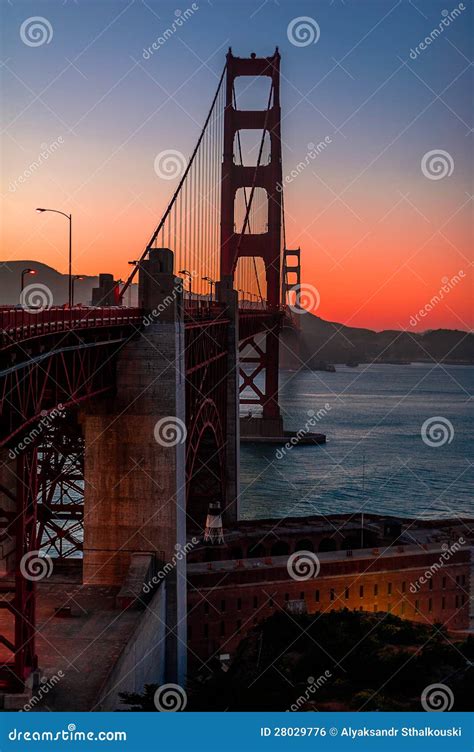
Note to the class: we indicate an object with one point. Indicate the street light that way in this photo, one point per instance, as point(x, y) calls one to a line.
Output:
point(188, 274)
point(212, 283)
point(26, 271)
point(76, 276)
point(69, 217)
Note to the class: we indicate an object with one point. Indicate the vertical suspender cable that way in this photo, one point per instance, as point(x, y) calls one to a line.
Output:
point(177, 191)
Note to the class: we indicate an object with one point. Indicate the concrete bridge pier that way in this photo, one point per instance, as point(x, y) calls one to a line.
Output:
point(134, 499)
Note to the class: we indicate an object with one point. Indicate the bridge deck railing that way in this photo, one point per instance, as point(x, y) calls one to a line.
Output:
point(18, 324)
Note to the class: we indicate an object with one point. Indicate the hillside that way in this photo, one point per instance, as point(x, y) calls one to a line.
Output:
point(10, 280)
point(327, 341)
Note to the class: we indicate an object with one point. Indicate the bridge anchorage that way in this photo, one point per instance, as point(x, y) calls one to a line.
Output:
point(120, 427)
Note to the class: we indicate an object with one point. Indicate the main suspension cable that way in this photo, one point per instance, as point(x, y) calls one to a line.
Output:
point(176, 193)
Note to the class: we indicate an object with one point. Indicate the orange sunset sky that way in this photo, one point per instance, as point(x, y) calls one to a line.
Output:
point(378, 236)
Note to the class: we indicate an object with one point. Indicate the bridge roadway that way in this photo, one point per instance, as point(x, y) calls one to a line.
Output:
point(61, 356)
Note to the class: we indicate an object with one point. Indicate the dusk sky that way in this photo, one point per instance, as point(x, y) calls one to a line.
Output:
point(378, 233)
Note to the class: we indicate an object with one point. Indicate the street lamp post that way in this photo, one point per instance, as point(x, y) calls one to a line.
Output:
point(212, 283)
point(26, 271)
point(69, 217)
point(188, 274)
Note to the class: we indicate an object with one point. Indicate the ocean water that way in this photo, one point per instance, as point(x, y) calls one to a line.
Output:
point(375, 458)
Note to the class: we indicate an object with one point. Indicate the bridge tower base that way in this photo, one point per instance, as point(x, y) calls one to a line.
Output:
point(135, 491)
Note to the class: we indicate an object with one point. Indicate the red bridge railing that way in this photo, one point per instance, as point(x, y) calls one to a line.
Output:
point(17, 324)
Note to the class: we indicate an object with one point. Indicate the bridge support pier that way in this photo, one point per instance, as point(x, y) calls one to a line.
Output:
point(134, 500)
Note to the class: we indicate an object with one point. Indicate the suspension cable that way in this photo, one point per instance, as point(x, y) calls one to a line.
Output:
point(177, 191)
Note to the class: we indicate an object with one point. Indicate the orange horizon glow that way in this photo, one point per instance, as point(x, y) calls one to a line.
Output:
point(378, 237)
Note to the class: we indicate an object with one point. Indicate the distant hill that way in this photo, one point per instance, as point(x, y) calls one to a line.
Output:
point(316, 342)
point(320, 341)
point(10, 280)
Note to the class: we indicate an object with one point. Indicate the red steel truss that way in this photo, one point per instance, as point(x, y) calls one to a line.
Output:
point(17, 646)
point(206, 404)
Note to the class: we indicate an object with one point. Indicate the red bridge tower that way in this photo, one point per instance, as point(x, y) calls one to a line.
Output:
point(265, 245)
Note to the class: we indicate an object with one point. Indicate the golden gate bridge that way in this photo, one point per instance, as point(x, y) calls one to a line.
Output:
point(82, 388)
